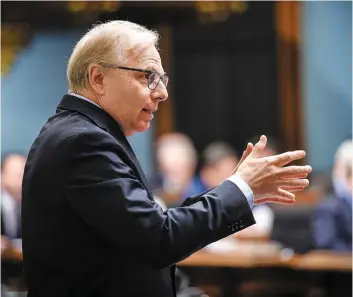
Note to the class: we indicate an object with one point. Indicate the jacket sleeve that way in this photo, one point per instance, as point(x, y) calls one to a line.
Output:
point(106, 194)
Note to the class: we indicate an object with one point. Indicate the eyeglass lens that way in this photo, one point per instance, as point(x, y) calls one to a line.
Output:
point(154, 79)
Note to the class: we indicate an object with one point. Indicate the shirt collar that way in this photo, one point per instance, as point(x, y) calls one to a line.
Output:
point(85, 98)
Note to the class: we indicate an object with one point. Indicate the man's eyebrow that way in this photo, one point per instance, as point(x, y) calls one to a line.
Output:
point(149, 58)
point(146, 60)
point(151, 68)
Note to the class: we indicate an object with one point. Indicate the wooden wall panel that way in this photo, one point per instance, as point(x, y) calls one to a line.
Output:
point(287, 22)
point(164, 117)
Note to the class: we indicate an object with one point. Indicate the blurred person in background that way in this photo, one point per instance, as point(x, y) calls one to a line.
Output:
point(90, 225)
point(332, 222)
point(12, 169)
point(175, 179)
point(218, 162)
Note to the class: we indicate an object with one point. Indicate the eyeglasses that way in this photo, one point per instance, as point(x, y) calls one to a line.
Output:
point(153, 77)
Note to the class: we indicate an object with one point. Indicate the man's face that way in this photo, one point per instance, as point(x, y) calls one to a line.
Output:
point(12, 175)
point(127, 97)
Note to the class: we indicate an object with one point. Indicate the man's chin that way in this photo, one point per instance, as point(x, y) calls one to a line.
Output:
point(143, 127)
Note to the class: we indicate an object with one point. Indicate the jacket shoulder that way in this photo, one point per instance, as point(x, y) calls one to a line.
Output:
point(68, 125)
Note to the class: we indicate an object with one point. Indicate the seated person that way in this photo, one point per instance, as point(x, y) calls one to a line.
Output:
point(332, 221)
point(11, 189)
point(12, 169)
point(218, 162)
point(176, 161)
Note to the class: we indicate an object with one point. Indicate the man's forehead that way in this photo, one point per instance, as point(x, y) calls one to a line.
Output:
point(146, 56)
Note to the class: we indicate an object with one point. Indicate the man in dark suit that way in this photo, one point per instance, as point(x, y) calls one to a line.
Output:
point(90, 223)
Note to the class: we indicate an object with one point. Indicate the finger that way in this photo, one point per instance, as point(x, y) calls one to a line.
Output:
point(285, 194)
point(293, 170)
point(285, 158)
point(292, 183)
point(259, 146)
point(294, 176)
point(282, 196)
point(293, 189)
point(275, 199)
point(245, 154)
point(249, 147)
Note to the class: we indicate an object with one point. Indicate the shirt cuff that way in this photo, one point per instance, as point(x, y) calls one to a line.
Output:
point(244, 187)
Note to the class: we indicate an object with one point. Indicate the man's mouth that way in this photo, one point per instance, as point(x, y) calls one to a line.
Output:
point(151, 111)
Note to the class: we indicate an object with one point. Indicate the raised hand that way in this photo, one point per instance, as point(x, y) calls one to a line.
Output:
point(266, 176)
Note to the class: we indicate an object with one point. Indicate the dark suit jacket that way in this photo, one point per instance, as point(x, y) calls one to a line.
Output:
point(333, 224)
point(89, 222)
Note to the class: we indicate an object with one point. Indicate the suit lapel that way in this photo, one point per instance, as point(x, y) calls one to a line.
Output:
point(130, 152)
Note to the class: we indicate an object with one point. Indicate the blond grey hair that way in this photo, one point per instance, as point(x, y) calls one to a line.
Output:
point(107, 43)
point(177, 143)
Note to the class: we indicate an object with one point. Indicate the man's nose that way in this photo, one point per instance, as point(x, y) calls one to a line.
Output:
point(160, 93)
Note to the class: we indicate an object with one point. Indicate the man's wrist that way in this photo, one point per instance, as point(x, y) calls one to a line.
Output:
point(244, 187)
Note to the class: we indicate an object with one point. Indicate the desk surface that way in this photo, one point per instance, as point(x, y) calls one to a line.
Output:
point(315, 260)
point(12, 254)
point(255, 255)
point(323, 260)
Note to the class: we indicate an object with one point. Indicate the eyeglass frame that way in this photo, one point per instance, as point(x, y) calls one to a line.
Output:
point(149, 72)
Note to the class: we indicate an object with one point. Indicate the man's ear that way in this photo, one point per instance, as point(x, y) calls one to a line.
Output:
point(95, 77)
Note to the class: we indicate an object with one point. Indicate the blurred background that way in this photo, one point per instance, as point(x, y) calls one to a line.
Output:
point(238, 70)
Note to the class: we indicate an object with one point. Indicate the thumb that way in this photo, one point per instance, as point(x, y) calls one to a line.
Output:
point(245, 154)
point(259, 147)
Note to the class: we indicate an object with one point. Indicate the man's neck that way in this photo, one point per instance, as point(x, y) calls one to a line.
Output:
point(86, 98)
